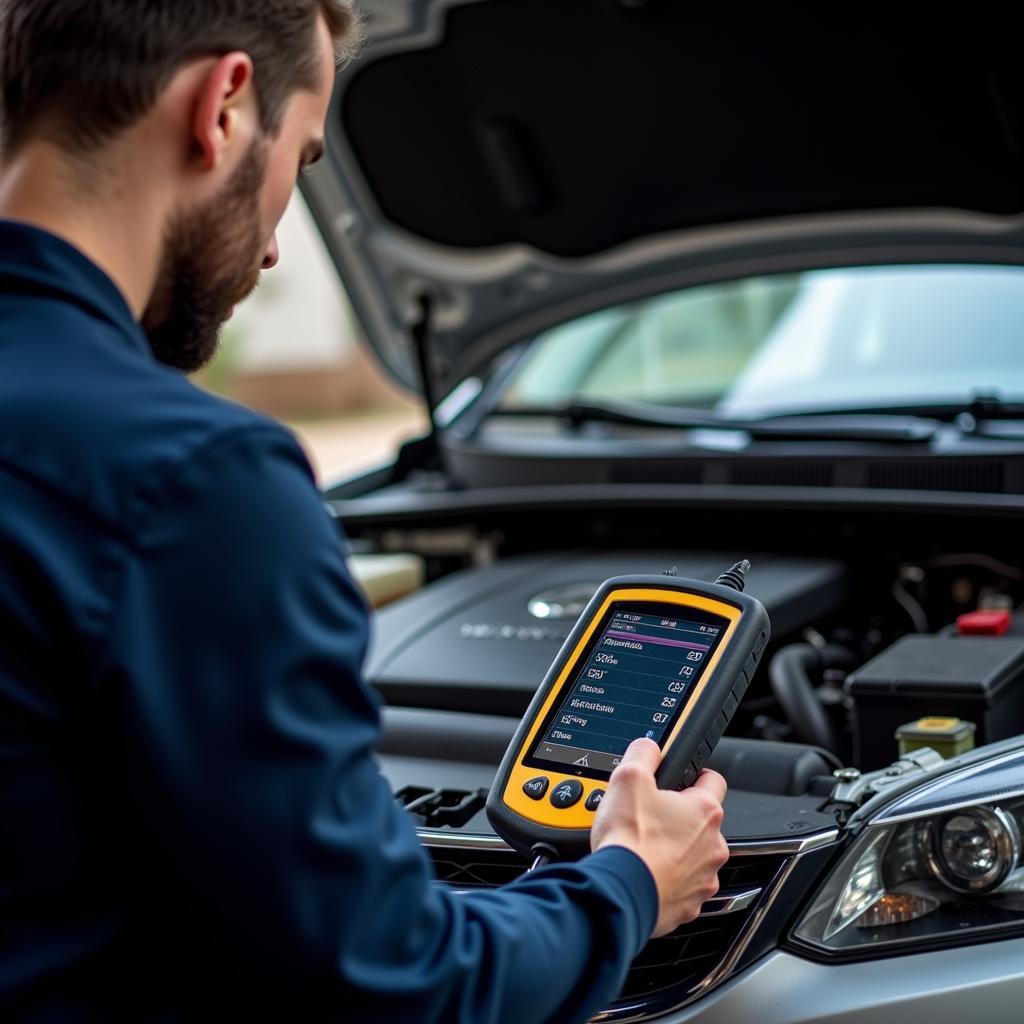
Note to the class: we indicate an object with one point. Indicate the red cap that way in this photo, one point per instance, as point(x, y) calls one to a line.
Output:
point(983, 623)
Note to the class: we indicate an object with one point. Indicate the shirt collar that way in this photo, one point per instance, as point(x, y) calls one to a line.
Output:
point(35, 258)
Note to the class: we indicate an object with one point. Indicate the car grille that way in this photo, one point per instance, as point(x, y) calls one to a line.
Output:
point(476, 869)
point(683, 959)
point(668, 969)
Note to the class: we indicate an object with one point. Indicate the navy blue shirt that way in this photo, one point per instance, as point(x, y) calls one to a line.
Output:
point(193, 822)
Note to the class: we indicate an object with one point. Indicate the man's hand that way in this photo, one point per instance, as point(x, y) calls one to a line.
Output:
point(677, 835)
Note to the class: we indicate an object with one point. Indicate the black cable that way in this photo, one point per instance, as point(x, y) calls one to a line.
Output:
point(735, 578)
point(542, 854)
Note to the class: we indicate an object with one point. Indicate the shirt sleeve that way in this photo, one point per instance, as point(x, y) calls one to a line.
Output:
point(234, 670)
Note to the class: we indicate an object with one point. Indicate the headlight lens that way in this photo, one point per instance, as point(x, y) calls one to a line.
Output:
point(973, 850)
point(948, 876)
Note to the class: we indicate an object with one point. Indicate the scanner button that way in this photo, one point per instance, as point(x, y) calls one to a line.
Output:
point(567, 793)
point(594, 800)
point(536, 788)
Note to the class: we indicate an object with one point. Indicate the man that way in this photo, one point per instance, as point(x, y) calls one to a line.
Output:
point(193, 822)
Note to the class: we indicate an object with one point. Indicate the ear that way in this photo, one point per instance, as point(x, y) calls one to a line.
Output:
point(225, 93)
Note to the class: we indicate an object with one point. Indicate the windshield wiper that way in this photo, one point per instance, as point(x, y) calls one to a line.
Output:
point(983, 410)
point(983, 415)
point(832, 427)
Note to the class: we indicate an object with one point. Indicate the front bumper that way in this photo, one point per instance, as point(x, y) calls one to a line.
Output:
point(982, 984)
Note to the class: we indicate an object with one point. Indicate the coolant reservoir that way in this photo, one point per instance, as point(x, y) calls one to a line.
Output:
point(947, 736)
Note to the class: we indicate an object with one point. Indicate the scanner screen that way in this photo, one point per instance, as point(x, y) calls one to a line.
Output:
point(635, 678)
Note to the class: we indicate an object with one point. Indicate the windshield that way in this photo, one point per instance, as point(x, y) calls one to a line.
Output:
point(908, 336)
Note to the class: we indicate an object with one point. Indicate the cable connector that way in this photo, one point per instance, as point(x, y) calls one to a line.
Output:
point(542, 854)
point(735, 578)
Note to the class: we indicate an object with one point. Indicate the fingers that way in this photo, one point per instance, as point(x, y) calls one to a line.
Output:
point(642, 753)
point(712, 782)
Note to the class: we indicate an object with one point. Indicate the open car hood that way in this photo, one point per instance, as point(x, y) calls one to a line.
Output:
point(521, 162)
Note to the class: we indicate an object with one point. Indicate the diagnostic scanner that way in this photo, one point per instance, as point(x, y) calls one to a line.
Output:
point(657, 656)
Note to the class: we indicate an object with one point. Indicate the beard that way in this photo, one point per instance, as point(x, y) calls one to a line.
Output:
point(211, 261)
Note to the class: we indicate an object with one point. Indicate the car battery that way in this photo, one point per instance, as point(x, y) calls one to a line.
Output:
point(977, 678)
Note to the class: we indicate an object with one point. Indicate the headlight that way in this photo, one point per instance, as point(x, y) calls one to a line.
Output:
point(927, 874)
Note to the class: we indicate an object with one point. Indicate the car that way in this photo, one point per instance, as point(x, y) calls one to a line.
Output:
point(682, 284)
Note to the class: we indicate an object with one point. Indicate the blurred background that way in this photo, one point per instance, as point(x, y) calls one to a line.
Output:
point(294, 351)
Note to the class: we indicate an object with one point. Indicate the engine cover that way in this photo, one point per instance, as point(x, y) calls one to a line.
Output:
point(482, 639)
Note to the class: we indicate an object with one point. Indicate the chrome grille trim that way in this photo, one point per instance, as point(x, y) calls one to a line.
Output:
point(738, 848)
point(729, 902)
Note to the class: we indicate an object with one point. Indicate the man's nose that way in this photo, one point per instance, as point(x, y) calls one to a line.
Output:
point(272, 255)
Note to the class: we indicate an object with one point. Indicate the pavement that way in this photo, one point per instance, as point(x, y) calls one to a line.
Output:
point(344, 447)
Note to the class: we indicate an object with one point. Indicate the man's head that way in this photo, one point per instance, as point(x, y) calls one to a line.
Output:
point(224, 102)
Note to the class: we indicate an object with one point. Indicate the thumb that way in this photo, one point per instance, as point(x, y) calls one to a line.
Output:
point(713, 783)
point(642, 753)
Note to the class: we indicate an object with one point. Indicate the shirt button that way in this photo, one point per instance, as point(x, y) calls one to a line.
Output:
point(536, 788)
point(594, 800)
point(567, 793)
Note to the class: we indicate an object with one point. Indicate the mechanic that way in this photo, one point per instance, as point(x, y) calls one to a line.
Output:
point(194, 824)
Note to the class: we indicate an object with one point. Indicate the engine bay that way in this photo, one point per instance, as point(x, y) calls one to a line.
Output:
point(879, 621)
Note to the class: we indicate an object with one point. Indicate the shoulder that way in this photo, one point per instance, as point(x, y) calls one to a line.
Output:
point(182, 435)
point(102, 425)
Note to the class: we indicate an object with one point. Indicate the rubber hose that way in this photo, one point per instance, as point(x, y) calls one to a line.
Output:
point(791, 672)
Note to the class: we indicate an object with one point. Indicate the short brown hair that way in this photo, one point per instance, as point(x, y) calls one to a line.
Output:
point(83, 70)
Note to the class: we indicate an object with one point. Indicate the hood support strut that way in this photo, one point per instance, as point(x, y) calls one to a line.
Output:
point(420, 333)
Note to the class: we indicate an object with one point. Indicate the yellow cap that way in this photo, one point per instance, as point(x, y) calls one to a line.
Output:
point(936, 724)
